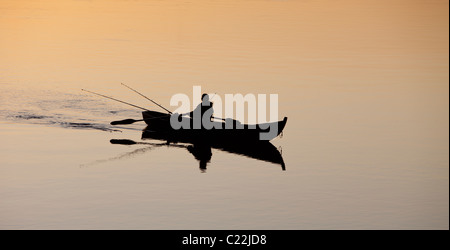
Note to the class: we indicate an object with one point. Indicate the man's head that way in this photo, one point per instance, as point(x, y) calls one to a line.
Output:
point(205, 98)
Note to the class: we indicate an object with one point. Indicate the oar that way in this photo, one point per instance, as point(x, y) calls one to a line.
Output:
point(131, 121)
point(223, 119)
point(125, 122)
point(131, 142)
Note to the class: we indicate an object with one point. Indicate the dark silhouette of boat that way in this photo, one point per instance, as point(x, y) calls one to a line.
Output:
point(226, 129)
point(220, 131)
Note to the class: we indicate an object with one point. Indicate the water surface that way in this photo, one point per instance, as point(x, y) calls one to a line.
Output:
point(364, 84)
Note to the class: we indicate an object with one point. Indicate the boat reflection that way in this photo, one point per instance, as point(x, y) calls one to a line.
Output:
point(201, 147)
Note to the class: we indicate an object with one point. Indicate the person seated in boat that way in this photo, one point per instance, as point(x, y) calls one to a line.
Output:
point(202, 114)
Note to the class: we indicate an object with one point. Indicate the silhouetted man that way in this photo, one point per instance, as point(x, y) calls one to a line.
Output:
point(202, 114)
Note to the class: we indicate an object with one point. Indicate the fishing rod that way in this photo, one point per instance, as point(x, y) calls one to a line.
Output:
point(114, 99)
point(146, 98)
point(131, 121)
point(156, 104)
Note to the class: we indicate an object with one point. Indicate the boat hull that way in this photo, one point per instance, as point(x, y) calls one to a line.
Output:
point(160, 122)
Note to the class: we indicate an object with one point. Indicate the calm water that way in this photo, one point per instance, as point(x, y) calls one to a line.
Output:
point(364, 84)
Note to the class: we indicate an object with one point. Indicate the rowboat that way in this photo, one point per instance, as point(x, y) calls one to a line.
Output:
point(158, 121)
point(229, 130)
